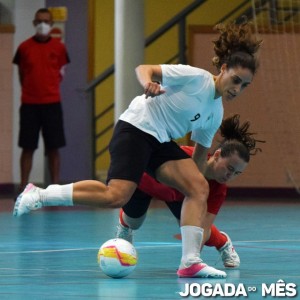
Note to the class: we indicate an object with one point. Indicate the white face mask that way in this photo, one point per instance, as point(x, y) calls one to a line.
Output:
point(43, 28)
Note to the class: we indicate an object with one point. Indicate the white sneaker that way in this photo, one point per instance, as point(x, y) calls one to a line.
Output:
point(200, 270)
point(228, 254)
point(28, 200)
point(124, 233)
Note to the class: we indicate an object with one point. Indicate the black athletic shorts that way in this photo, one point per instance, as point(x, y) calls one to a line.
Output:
point(139, 203)
point(47, 118)
point(133, 151)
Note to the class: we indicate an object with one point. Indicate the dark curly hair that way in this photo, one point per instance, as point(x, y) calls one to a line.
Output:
point(237, 138)
point(236, 46)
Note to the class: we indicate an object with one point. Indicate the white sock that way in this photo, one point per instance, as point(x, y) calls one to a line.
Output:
point(191, 244)
point(57, 195)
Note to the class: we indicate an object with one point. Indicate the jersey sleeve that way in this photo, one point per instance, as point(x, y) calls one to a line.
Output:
point(16, 58)
point(205, 136)
point(64, 56)
point(179, 74)
point(18, 55)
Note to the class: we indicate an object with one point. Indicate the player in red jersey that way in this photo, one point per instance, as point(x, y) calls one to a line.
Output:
point(227, 162)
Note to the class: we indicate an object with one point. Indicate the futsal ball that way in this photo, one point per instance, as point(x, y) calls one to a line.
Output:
point(117, 258)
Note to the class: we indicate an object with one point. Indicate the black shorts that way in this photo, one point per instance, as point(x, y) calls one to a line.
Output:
point(133, 151)
point(45, 117)
point(140, 201)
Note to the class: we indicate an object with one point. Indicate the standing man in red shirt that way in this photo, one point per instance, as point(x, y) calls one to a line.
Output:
point(41, 60)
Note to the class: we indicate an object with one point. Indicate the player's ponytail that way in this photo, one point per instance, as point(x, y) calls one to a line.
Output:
point(237, 138)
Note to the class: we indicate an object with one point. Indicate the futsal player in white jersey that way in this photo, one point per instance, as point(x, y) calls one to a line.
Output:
point(227, 161)
point(177, 99)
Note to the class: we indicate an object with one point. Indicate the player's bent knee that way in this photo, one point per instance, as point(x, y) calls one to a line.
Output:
point(200, 190)
point(118, 201)
point(205, 188)
point(120, 192)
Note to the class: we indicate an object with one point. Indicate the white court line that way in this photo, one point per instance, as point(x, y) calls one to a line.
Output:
point(158, 245)
point(267, 241)
point(47, 251)
point(48, 270)
point(140, 245)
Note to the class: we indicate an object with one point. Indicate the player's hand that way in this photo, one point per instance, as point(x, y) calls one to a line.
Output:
point(153, 89)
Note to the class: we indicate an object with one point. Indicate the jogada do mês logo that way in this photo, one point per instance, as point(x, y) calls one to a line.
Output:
point(278, 289)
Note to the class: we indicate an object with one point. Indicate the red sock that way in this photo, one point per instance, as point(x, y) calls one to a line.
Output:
point(121, 218)
point(216, 239)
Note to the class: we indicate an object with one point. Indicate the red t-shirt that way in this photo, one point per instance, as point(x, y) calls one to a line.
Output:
point(217, 191)
point(40, 66)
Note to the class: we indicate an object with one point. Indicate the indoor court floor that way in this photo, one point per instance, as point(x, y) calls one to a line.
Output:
point(52, 254)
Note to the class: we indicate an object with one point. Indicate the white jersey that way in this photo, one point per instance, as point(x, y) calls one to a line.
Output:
point(188, 105)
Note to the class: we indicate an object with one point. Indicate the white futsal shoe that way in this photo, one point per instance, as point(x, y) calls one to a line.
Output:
point(200, 270)
point(124, 233)
point(228, 254)
point(28, 200)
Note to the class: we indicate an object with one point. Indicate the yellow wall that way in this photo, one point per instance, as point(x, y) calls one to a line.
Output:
point(167, 46)
point(103, 57)
point(157, 13)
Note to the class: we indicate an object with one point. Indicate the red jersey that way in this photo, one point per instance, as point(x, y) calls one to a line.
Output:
point(217, 191)
point(40, 65)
